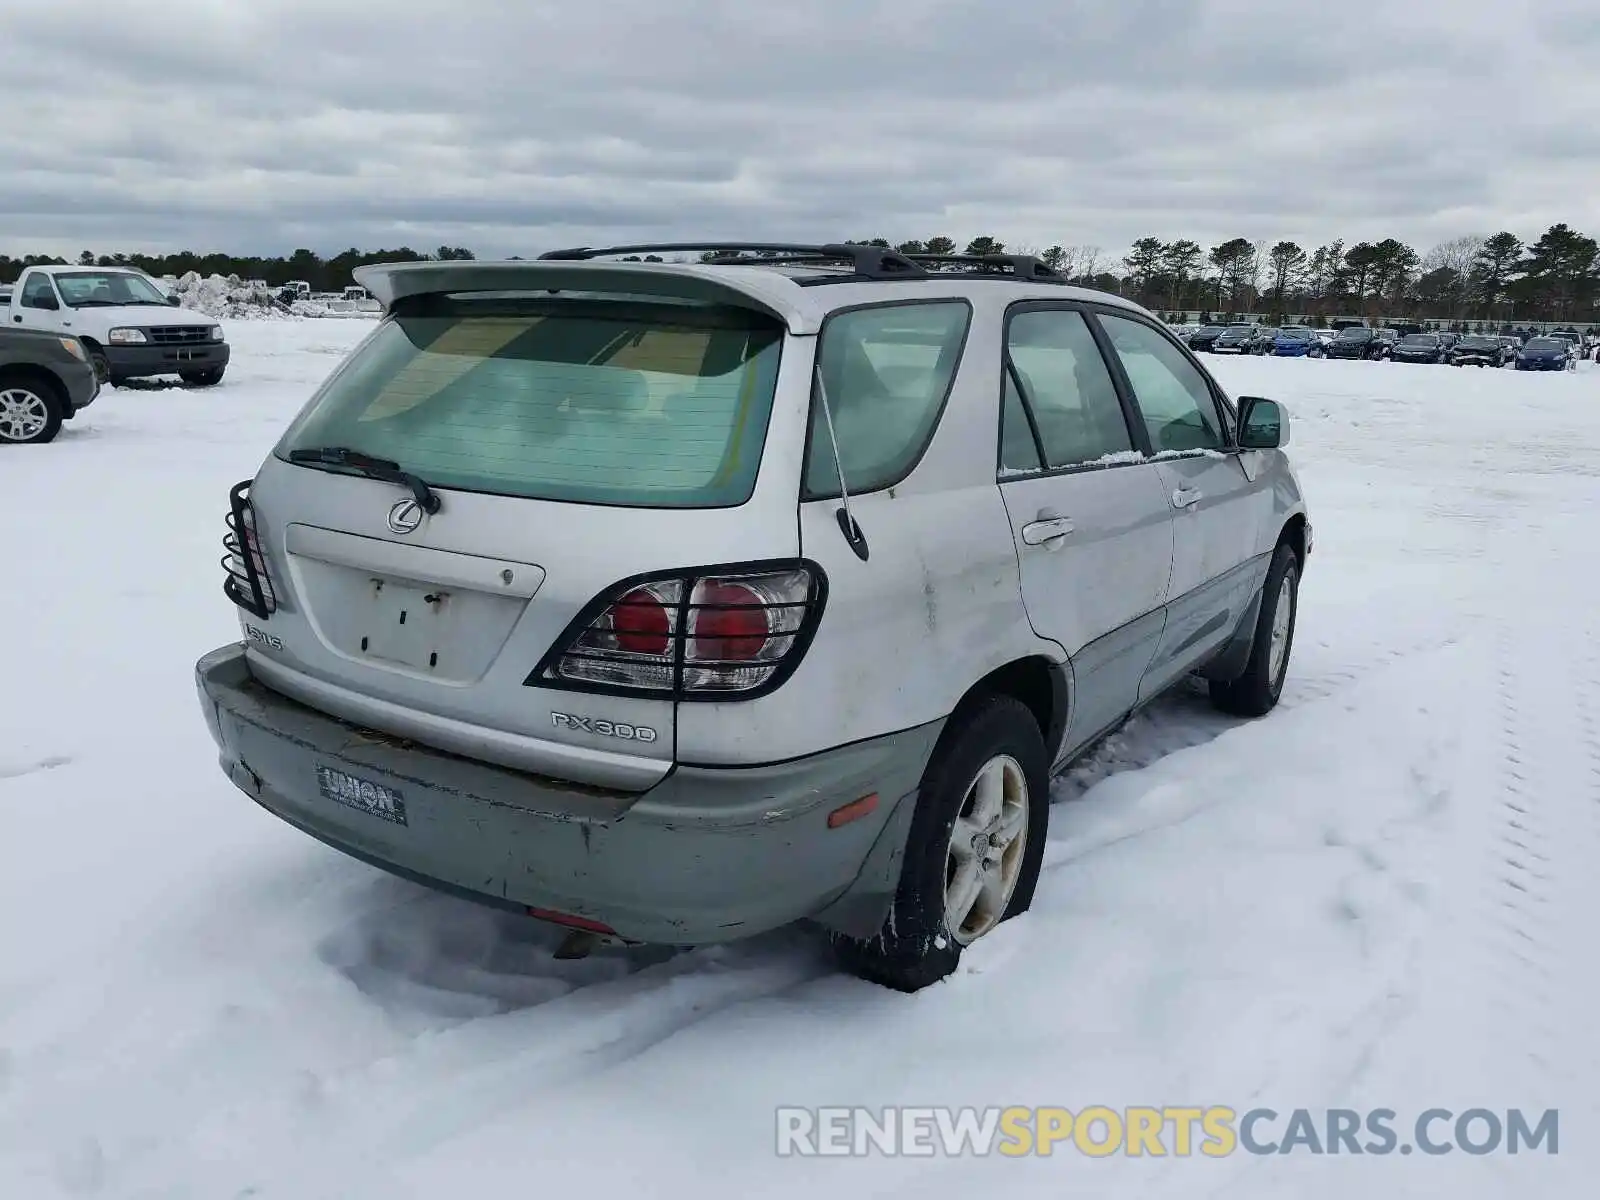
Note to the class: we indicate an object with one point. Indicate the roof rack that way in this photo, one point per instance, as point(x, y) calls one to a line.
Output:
point(862, 261)
point(868, 262)
point(1025, 266)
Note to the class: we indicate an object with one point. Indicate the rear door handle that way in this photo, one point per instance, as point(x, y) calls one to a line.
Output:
point(1184, 497)
point(1049, 529)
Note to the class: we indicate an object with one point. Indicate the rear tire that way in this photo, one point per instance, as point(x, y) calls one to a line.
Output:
point(1256, 692)
point(973, 853)
point(31, 410)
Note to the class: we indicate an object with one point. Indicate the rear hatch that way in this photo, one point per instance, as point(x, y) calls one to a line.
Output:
point(575, 446)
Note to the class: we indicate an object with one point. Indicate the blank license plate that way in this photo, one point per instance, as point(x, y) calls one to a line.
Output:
point(406, 625)
point(363, 795)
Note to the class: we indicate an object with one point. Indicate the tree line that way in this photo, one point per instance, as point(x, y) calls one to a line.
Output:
point(1480, 278)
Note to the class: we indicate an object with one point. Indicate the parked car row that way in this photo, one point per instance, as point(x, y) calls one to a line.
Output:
point(1554, 352)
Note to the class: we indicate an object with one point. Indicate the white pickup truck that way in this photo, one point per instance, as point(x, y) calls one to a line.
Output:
point(129, 326)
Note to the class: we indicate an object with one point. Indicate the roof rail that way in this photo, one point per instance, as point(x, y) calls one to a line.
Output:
point(870, 262)
point(1024, 266)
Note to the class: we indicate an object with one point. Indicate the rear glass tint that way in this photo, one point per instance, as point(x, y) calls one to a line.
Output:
point(886, 370)
point(635, 404)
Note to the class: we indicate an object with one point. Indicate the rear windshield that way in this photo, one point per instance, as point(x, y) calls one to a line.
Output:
point(645, 405)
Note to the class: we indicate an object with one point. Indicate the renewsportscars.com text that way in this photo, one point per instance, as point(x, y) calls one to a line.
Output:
point(1160, 1132)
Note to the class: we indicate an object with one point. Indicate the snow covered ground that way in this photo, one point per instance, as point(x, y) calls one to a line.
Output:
point(1382, 896)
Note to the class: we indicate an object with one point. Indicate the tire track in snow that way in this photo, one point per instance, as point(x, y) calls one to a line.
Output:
point(460, 1079)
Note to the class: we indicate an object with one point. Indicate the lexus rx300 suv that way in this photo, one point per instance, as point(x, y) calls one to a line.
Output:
point(675, 602)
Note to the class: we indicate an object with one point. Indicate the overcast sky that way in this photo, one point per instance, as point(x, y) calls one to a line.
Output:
point(511, 126)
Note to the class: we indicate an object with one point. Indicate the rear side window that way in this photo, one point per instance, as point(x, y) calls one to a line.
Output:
point(1067, 389)
point(886, 371)
point(602, 402)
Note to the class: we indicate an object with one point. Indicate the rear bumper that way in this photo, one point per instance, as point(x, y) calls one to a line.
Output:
point(707, 855)
point(137, 362)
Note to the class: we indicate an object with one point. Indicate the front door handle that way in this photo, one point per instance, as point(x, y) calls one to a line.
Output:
point(1184, 497)
point(1046, 530)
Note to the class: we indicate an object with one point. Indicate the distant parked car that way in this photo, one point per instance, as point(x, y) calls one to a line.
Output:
point(1262, 339)
point(1478, 350)
point(1448, 340)
point(1202, 339)
point(1546, 354)
point(1357, 341)
point(1574, 343)
point(45, 379)
point(1419, 348)
point(1296, 343)
point(1235, 339)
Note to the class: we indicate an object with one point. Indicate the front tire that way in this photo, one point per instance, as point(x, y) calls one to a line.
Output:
point(1256, 692)
point(973, 853)
point(31, 411)
point(101, 365)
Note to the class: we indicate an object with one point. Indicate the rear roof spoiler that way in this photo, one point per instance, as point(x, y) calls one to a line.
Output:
point(764, 291)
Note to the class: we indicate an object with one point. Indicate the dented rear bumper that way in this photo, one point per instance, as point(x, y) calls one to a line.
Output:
point(706, 855)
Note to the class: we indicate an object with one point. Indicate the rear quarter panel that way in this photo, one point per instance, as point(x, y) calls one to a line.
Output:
point(935, 607)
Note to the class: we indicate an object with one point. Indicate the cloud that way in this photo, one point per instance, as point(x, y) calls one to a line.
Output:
point(513, 127)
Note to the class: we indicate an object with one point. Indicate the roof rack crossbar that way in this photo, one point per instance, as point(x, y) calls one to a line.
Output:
point(1025, 266)
point(873, 262)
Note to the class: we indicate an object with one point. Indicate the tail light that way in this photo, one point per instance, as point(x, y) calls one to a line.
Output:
point(247, 584)
point(714, 634)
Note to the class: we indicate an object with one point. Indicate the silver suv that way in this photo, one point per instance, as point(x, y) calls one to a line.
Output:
point(674, 602)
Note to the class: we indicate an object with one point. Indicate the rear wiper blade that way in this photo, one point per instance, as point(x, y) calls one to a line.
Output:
point(374, 468)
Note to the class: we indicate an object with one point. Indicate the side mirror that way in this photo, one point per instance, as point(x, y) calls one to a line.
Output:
point(48, 303)
point(1263, 425)
point(174, 301)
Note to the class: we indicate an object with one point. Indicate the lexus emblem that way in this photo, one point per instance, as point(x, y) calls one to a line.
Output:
point(405, 516)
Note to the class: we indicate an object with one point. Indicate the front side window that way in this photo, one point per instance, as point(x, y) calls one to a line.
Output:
point(1178, 410)
point(886, 371)
point(648, 405)
point(90, 289)
point(1057, 374)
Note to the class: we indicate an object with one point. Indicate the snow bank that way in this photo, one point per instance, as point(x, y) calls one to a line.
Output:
point(227, 297)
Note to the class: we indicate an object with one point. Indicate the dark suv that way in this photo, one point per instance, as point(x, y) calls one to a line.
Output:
point(1262, 339)
point(1235, 339)
point(1480, 350)
point(1358, 342)
point(1419, 348)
